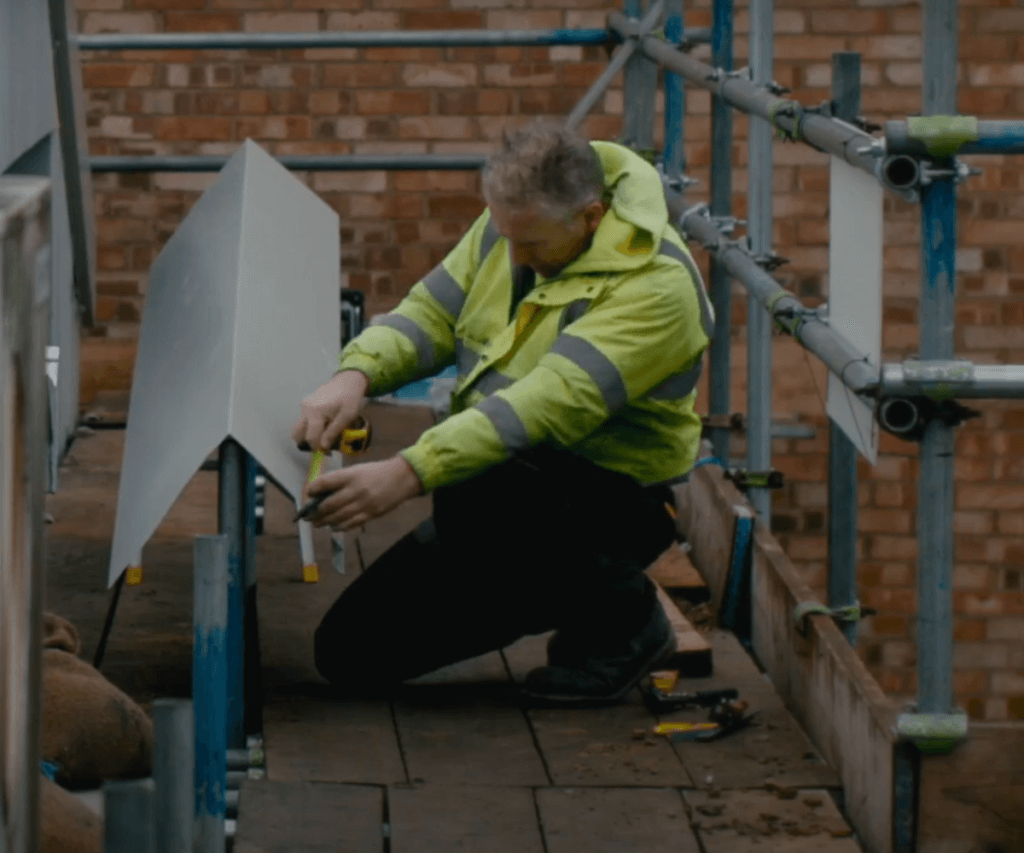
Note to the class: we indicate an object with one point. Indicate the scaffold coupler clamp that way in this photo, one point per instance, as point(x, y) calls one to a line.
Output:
point(847, 613)
point(744, 480)
point(679, 183)
point(933, 734)
point(722, 77)
point(727, 224)
point(959, 172)
point(769, 261)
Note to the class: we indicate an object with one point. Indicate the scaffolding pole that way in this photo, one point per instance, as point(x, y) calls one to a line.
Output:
point(640, 83)
point(945, 135)
point(789, 313)
point(350, 39)
point(842, 453)
point(297, 162)
point(673, 158)
point(759, 235)
point(942, 379)
point(938, 291)
point(721, 207)
point(789, 117)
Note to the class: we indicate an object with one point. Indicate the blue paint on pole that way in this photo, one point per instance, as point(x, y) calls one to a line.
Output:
point(736, 601)
point(996, 137)
point(209, 672)
point(577, 37)
point(721, 34)
point(938, 212)
point(674, 157)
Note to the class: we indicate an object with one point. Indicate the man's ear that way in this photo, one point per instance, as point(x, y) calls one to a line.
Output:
point(593, 213)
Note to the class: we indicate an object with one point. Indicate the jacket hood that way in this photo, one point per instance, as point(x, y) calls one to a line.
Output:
point(631, 231)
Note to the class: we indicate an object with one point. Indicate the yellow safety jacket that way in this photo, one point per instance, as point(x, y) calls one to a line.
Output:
point(602, 359)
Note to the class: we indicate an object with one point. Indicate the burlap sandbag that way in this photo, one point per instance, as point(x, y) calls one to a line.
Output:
point(68, 824)
point(58, 633)
point(91, 730)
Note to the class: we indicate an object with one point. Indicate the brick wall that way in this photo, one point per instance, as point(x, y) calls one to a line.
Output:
point(395, 226)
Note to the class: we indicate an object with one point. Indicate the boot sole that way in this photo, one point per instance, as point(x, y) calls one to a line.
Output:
point(576, 701)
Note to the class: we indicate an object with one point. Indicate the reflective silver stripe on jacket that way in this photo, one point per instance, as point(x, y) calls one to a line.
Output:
point(573, 311)
point(491, 381)
point(707, 313)
point(487, 241)
point(510, 428)
point(597, 366)
point(465, 358)
point(678, 385)
point(445, 289)
point(426, 357)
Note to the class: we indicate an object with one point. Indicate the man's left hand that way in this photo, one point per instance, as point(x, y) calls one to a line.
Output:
point(359, 493)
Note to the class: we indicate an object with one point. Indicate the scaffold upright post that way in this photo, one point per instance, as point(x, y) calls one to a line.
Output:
point(251, 665)
point(938, 291)
point(721, 206)
point(759, 215)
point(232, 516)
point(209, 700)
point(842, 454)
point(673, 159)
point(174, 775)
point(640, 84)
point(128, 816)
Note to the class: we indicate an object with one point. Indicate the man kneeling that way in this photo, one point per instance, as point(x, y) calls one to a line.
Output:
point(578, 322)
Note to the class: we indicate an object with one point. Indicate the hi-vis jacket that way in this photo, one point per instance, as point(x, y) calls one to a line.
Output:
point(602, 359)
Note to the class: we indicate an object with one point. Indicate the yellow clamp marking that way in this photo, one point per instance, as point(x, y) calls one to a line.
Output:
point(133, 577)
point(943, 136)
point(311, 573)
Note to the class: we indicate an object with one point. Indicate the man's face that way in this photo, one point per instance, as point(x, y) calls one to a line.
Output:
point(545, 241)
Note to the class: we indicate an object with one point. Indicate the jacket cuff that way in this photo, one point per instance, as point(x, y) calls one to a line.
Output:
point(364, 364)
point(421, 458)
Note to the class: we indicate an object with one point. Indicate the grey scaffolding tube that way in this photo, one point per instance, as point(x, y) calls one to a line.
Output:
point(363, 39)
point(789, 117)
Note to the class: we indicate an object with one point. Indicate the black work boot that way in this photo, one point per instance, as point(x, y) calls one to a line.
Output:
point(600, 677)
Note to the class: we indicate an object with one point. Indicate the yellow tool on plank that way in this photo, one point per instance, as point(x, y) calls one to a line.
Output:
point(684, 731)
point(354, 439)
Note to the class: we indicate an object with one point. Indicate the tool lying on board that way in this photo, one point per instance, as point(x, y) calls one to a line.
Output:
point(660, 702)
point(727, 714)
point(354, 439)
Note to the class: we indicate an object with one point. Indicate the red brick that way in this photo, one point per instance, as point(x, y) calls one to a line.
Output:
point(116, 76)
point(846, 21)
point(446, 74)
point(392, 103)
point(202, 22)
point(455, 207)
point(193, 128)
point(418, 19)
point(175, 5)
point(970, 681)
point(436, 127)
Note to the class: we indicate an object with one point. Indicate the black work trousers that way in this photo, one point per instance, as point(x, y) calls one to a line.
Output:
point(544, 541)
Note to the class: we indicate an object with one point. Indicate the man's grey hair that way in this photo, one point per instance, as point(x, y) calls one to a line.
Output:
point(543, 164)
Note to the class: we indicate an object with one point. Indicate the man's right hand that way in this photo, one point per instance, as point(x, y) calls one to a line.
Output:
point(331, 408)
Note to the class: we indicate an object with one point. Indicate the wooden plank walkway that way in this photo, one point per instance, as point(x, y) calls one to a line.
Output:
point(452, 761)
